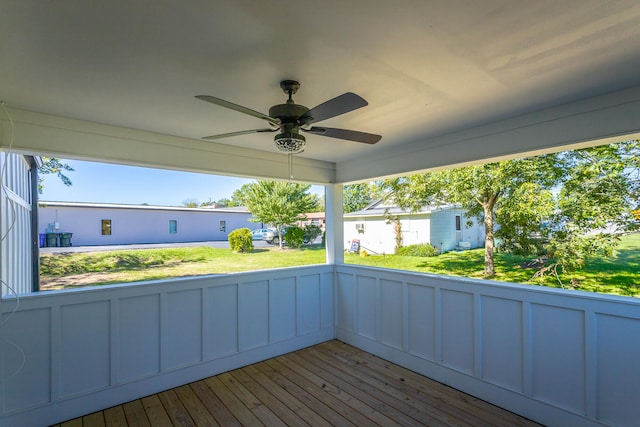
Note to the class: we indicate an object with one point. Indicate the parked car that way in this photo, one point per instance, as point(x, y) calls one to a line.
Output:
point(259, 233)
point(271, 236)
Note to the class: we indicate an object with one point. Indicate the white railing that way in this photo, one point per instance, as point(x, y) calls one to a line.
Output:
point(68, 353)
point(559, 357)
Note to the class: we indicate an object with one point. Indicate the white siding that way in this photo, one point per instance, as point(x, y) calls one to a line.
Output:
point(139, 225)
point(15, 218)
point(437, 228)
point(443, 230)
point(379, 237)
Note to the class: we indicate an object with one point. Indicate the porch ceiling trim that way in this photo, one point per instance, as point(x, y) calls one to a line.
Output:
point(36, 133)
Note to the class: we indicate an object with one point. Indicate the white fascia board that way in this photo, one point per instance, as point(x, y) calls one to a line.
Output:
point(604, 119)
point(42, 134)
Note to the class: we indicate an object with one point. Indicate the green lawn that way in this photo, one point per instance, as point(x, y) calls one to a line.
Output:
point(618, 275)
point(59, 271)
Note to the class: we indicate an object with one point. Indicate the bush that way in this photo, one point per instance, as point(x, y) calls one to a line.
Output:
point(311, 232)
point(422, 250)
point(294, 236)
point(240, 240)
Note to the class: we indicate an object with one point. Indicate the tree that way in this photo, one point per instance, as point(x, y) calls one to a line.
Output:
point(576, 200)
point(277, 203)
point(595, 205)
point(237, 197)
point(491, 192)
point(359, 196)
point(190, 203)
point(51, 165)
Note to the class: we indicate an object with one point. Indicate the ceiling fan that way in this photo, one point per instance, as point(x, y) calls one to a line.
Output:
point(290, 118)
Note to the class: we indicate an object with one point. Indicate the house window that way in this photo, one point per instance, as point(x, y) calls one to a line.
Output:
point(458, 223)
point(106, 227)
point(173, 226)
point(223, 226)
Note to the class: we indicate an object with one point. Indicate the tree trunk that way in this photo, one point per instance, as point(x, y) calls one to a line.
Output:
point(489, 269)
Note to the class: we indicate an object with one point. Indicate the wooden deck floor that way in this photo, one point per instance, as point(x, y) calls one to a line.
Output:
point(330, 384)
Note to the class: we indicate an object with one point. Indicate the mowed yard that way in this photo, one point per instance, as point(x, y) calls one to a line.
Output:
point(617, 275)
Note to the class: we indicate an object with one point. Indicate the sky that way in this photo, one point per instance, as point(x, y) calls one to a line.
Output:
point(107, 183)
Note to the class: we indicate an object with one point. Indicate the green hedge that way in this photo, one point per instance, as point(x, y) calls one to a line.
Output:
point(422, 250)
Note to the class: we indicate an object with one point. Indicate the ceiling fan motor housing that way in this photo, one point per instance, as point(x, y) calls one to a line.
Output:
point(287, 113)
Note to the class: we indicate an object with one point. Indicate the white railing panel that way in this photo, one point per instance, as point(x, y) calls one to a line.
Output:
point(618, 370)
point(421, 321)
point(558, 357)
point(25, 354)
point(184, 328)
point(391, 325)
point(85, 344)
point(222, 321)
point(282, 309)
point(456, 336)
point(308, 303)
point(138, 337)
point(502, 343)
point(563, 358)
point(254, 314)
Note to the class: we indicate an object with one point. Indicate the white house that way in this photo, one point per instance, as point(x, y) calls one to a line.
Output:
point(447, 84)
point(443, 227)
point(18, 199)
point(111, 224)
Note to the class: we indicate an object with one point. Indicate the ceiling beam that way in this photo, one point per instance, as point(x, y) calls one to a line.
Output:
point(46, 135)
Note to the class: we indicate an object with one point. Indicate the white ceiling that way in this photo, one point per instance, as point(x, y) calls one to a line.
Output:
point(427, 68)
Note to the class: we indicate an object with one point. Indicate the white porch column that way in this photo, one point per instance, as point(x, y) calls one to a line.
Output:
point(334, 226)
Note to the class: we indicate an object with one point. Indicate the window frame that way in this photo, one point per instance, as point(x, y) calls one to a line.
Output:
point(106, 227)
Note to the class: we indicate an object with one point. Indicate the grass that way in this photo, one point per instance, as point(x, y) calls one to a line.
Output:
point(67, 270)
point(617, 275)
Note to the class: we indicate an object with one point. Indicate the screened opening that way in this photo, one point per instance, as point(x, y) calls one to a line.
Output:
point(138, 207)
point(566, 220)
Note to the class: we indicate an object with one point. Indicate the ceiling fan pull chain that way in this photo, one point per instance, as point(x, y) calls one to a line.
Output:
point(290, 159)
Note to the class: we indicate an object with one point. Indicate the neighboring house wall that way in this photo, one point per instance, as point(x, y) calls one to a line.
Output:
point(446, 235)
point(138, 224)
point(15, 210)
point(437, 227)
point(313, 218)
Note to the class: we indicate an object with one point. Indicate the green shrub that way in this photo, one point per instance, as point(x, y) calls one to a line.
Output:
point(422, 250)
point(240, 240)
point(311, 232)
point(294, 236)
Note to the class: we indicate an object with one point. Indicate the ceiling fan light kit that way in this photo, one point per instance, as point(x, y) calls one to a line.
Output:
point(290, 143)
point(291, 118)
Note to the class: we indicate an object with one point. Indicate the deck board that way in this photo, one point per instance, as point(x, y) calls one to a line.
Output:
point(330, 384)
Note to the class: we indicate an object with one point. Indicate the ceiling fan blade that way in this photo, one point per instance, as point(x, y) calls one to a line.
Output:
point(242, 132)
point(350, 135)
point(239, 108)
point(334, 107)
